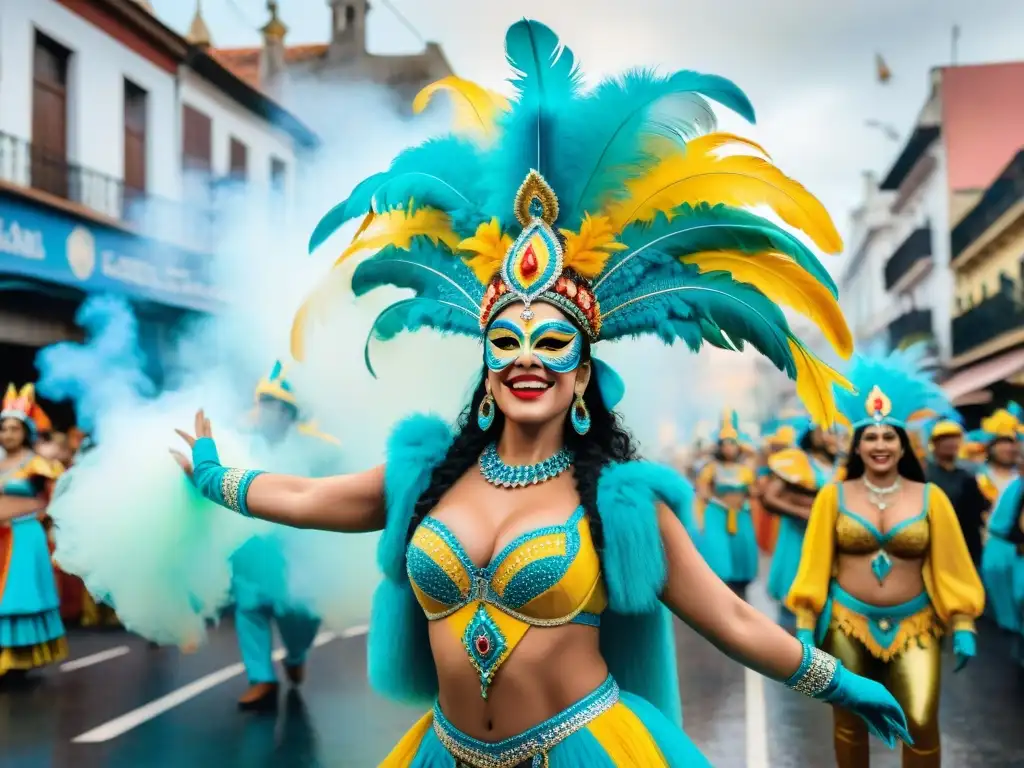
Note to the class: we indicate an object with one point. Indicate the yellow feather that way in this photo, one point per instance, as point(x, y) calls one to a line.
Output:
point(490, 245)
point(699, 176)
point(587, 252)
point(476, 108)
point(785, 282)
point(814, 380)
point(398, 228)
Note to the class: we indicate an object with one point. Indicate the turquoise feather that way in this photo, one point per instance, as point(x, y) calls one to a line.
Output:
point(450, 159)
point(740, 311)
point(431, 271)
point(901, 376)
point(416, 313)
point(710, 228)
point(613, 124)
point(547, 81)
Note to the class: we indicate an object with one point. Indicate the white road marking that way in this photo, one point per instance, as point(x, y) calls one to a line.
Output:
point(131, 720)
point(96, 658)
point(356, 631)
point(757, 720)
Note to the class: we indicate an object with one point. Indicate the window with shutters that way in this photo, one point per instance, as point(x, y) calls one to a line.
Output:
point(135, 103)
point(197, 141)
point(49, 164)
point(239, 158)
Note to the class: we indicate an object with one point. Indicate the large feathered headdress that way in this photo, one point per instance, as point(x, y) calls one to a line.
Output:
point(1003, 424)
point(21, 404)
point(620, 205)
point(891, 389)
point(276, 386)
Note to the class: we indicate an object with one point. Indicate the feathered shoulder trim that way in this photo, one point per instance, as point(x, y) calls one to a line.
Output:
point(416, 446)
point(633, 558)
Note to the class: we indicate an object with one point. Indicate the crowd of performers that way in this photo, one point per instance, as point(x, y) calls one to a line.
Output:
point(530, 562)
point(875, 537)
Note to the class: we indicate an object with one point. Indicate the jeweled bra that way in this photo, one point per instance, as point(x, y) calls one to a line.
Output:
point(547, 577)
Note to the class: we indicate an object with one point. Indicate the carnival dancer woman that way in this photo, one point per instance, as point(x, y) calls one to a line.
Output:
point(797, 475)
point(1000, 433)
point(31, 631)
point(529, 559)
point(885, 571)
point(777, 436)
point(1002, 562)
point(725, 486)
point(261, 568)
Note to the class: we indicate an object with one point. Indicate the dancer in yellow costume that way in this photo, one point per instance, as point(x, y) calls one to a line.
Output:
point(885, 571)
point(530, 560)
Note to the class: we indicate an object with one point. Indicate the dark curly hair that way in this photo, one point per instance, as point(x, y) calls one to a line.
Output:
point(908, 466)
point(606, 442)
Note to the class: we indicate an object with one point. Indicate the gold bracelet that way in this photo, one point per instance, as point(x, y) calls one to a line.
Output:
point(963, 624)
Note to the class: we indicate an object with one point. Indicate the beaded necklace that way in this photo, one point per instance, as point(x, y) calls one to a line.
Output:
point(497, 472)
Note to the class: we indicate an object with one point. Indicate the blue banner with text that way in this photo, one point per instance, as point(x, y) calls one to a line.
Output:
point(46, 244)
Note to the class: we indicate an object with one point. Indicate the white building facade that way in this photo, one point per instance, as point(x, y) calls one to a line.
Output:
point(107, 120)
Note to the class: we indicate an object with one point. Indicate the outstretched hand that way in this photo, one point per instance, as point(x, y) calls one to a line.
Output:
point(202, 429)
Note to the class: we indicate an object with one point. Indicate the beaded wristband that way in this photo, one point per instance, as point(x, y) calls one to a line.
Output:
point(234, 486)
point(815, 674)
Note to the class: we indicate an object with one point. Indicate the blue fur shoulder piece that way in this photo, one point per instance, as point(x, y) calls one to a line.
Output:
point(415, 447)
point(633, 558)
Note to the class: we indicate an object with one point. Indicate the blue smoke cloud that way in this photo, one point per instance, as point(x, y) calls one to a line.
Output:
point(106, 369)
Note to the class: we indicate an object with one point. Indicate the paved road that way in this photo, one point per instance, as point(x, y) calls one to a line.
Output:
point(738, 719)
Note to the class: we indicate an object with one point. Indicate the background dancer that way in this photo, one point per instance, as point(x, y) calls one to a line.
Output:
point(31, 630)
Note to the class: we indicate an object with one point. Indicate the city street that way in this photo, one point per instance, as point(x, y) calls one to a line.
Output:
point(119, 703)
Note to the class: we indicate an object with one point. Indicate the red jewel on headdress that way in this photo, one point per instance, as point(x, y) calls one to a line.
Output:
point(878, 404)
point(529, 265)
point(483, 645)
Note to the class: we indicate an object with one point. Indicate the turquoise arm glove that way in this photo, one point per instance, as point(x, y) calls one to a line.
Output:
point(824, 677)
point(965, 647)
point(223, 486)
point(806, 636)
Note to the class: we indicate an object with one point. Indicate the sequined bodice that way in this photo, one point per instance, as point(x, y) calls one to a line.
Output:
point(547, 577)
point(731, 478)
point(14, 481)
point(908, 539)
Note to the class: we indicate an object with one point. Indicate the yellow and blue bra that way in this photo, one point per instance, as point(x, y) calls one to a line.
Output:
point(543, 578)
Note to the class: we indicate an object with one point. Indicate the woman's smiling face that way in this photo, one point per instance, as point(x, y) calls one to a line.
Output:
point(534, 367)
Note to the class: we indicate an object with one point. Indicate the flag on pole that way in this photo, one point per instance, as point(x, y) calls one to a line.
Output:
point(882, 71)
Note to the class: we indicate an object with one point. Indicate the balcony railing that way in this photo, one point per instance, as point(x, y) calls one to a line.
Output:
point(991, 318)
point(917, 247)
point(915, 323)
point(25, 165)
point(997, 200)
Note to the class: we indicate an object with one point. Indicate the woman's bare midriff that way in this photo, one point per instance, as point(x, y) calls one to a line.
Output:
point(904, 582)
point(853, 572)
point(733, 500)
point(550, 670)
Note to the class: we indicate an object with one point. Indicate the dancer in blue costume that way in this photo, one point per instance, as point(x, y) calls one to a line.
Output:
point(1002, 562)
point(530, 561)
point(797, 476)
point(725, 486)
point(885, 571)
point(259, 582)
point(1000, 433)
point(31, 631)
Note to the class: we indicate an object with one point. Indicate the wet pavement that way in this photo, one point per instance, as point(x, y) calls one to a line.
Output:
point(140, 707)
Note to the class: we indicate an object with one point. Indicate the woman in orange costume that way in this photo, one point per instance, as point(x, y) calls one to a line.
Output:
point(31, 631)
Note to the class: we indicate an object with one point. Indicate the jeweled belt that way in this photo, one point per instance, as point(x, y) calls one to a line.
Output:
point(531, 745)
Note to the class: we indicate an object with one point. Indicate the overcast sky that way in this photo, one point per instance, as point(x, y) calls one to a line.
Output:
point(807, 65)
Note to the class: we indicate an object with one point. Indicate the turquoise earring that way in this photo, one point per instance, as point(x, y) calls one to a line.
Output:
point(580, 416)
point(485, 413)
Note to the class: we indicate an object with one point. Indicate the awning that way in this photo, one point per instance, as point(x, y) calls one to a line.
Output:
point(977, 377)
